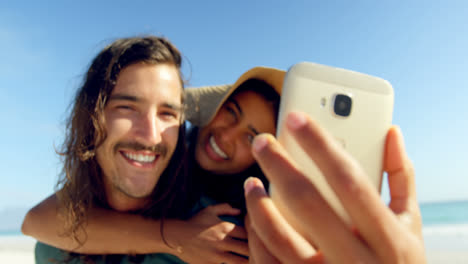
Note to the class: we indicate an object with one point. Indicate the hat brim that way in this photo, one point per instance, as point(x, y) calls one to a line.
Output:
point(204, 102)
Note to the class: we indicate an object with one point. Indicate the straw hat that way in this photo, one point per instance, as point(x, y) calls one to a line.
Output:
point(204, 102)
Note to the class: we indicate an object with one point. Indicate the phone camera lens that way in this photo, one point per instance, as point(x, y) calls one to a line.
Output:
point(342, 105)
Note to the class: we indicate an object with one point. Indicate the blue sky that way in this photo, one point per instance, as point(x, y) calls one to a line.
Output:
point(419, 46)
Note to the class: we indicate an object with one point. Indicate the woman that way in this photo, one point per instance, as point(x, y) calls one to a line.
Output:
point(224, 120)
point(223, 131)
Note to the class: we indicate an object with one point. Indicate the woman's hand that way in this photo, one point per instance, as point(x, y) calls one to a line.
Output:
point(205, 238)
point(381, 234)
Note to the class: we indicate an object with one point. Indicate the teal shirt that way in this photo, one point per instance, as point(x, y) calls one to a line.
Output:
point(45, 254)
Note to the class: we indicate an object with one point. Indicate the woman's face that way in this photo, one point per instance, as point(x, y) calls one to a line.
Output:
point(224, 145)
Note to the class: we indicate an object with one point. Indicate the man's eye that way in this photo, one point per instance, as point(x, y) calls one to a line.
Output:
point(124, 107)
point(168, 114)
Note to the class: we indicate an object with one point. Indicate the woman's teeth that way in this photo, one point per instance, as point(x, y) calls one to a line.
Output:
point(216, 148)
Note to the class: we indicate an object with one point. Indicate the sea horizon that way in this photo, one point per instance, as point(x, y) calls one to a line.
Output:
point(447, 213)
point(445, 234)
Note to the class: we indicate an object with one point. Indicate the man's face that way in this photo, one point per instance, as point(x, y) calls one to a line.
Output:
point(224, 145)
point(142, 118)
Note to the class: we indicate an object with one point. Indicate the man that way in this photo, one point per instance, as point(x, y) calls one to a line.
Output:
point(124, 127)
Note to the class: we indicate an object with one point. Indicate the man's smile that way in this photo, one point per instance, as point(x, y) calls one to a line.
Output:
point(140, 159)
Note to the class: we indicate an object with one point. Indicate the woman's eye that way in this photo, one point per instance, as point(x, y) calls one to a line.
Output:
point(231, 111)
point(250, 138)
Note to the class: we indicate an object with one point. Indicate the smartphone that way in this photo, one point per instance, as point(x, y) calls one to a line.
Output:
point(354, 107)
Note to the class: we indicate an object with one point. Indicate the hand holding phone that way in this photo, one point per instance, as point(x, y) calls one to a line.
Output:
point(380, 233)
point(355, 108)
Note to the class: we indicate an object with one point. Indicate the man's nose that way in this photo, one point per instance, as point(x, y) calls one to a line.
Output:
point(149, 129)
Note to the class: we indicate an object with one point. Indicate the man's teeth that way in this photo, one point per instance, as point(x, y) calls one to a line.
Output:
point(140, 157)
point(217, 149)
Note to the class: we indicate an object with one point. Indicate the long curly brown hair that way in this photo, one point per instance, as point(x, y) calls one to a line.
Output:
point(80, 185)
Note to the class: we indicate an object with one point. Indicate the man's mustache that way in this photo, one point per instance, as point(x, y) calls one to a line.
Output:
point(160, 148)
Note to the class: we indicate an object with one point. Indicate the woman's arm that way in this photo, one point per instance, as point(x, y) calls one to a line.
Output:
point(203, 237)
point(107, 231)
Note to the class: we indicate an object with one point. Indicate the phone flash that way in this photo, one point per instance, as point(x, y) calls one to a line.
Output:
point(323, 102)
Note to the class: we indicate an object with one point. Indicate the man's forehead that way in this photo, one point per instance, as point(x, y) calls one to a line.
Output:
point(159, 95)
point(148, 82)
point(167, 101)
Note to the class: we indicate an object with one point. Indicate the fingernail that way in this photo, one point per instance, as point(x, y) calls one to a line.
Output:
point(259, 143)
point(296, 120)
point(400, 138)
point(249, 184)
point(252, 183)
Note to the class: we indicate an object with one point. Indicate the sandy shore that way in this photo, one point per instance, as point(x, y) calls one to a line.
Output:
point(444, 244)
point(17, 249)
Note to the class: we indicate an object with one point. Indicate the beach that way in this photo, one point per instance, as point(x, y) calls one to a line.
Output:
point(445, 244)
point(16, 249)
